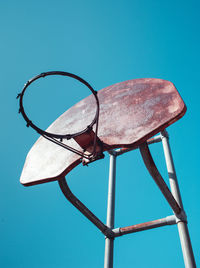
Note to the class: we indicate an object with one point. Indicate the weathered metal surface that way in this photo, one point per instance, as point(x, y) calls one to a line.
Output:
point(130, 113)
point(143, 226)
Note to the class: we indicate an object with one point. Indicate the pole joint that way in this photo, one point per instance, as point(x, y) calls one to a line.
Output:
point(164, 134)
point(109, 233)
point(181, 217)
point(113, 152)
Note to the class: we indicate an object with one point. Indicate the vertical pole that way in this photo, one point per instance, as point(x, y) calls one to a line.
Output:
point(109, 242)
point(182, 224)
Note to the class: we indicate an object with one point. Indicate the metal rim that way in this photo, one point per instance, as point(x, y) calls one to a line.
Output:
point(53, 135)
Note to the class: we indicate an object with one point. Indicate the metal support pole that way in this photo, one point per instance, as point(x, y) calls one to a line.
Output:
point(170, 220)
point(109, 242)
point(182, 224)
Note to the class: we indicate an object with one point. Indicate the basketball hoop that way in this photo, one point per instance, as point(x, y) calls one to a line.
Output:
point(58, 138)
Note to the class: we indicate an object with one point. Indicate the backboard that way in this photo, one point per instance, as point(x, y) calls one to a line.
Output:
point(130, 113)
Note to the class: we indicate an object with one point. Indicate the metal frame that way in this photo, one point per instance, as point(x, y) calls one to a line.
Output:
point(173, 197)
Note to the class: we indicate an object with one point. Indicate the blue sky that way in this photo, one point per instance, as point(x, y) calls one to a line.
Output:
point(104, 42)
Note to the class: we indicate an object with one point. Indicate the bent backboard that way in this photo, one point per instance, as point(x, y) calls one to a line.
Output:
point(130, 113)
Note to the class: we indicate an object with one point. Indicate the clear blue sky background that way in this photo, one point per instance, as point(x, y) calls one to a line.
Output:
point(104, 42)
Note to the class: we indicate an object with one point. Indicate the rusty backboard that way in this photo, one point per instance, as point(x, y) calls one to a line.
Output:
point(130, 113)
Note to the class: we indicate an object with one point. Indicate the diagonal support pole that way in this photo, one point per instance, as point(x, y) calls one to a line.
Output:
point(83, 209)
point(148, 160)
